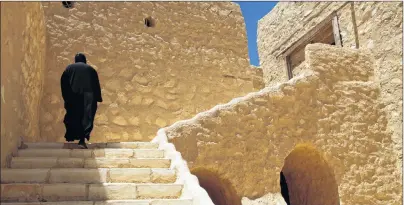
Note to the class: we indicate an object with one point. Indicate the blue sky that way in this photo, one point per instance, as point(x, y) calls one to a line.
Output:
point(252, 12)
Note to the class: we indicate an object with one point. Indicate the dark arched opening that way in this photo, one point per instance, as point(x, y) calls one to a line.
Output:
point(67, 4)
point(308, 178)
point(219, 190)
point(149, 22)
point(284, 188)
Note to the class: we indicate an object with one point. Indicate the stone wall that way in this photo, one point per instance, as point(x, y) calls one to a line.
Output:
point(195, 57)
point(372, 25)
point(22, 70)
point(335, 107)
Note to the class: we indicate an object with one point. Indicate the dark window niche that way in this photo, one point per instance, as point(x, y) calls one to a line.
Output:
point(67, 4)
point(149, 22)
point(326, 32)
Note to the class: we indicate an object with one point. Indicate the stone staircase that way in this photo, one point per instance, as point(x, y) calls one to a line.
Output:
point(129, 173)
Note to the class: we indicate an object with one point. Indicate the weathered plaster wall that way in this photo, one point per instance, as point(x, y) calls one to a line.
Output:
point(195, 57)
point(379, 29)
point(335, 107)
point(22, 66)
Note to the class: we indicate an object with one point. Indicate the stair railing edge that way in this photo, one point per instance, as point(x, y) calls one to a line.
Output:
point(191, 189)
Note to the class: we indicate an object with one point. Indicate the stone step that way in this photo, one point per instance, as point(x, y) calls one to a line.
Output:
point(59, 162)
point(68, 145)
point(112, 202)
point(87, 192)
point(88, 176)
point(92, 153)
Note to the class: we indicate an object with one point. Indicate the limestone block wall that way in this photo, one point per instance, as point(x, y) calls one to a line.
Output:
point(195, 57)
point(376, 26)
point(335, 108)
point(23, 50)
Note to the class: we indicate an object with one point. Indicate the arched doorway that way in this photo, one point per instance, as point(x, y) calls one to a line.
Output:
point(219, 190)
point(309, 178)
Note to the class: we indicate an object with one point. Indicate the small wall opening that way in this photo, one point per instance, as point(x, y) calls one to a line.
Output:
point(219, 190)
point(149, 22)
point(326, 32)
point(67, 4)
point(308, 178)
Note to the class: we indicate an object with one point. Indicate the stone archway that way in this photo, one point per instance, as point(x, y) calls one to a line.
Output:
point(309, 178)
point(221, 191)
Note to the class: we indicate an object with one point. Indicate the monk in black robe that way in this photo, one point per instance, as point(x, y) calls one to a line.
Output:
point(81, 91)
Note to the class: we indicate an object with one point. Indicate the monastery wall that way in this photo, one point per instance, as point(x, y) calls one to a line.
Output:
point(192, 59)
point(376, 26)
point(325, 129)
point(23, 50)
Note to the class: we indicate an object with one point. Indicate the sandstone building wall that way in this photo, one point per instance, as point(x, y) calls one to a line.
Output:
point(371, 25)
point(335, 107)
point(195, 57)
point(23, 50)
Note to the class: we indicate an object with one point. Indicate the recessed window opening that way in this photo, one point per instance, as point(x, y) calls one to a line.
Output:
point(327, 32)
point(67, 4)
point(149, 22)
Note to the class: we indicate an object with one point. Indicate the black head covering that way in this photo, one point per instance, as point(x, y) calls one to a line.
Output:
point(80, 58)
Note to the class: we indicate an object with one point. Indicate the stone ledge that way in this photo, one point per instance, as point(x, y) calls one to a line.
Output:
point(54, 162)
point(91, 153)
point(340, 64)
point(89, 176)
point(96, 192)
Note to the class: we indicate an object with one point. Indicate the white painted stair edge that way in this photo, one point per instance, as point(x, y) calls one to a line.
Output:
point(192, 189)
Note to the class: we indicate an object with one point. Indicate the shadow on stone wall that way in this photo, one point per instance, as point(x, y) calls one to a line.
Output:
point(23, 48)
point(220, 190)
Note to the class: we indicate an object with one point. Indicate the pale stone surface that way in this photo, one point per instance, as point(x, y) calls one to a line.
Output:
point(56, 203)
point(66, 185)
point(338, 111)
point(70, 163)
point(81, 153)
point(74, 175)
point(60, 192)
point(146, 202)
point(147, 73)
point(20, 192)
point(28, 163)
point(122, 202)
point(121, 191)
point(130, 175)
point(23, 46)
point(126, 163)
point(150, 163)
point(172, 202)
point(44, 153)
point(379, 28)
point(24, 175)
point(113, 153)
point(152, 153)
point(106, 163)
point(151, 191)
point(133, 145)
point(128, 145)
point(43, 145)
point(163, 176)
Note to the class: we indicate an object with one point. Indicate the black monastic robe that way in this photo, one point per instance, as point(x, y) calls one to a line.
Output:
point(81, 91)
